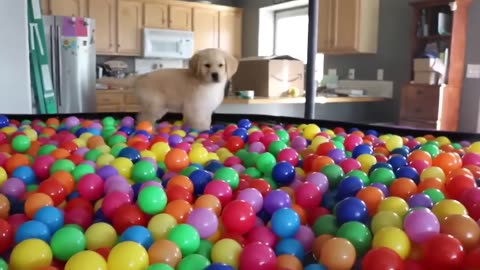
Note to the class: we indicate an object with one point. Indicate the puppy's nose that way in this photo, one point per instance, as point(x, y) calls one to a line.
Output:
point(215, 76)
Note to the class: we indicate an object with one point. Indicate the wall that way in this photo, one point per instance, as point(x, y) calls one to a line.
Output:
point(15, 91)
point(392, 56)
point(470, 112)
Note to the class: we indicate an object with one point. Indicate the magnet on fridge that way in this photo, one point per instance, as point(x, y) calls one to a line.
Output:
point(80, 27)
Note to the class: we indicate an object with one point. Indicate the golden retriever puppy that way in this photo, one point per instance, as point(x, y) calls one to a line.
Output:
point(195, 92)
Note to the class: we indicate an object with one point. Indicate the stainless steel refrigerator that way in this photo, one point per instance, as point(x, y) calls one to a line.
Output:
point(71, 44)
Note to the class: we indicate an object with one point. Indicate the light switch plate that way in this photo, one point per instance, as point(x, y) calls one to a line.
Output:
point(379, 74)
point(332, 72)
point(351, 74)
point(473, 71)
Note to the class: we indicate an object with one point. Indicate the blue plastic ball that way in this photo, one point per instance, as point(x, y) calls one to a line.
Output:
point(242, 133)
point(351, 209)
point(349, 187)
point(130, 153)
point(404, 151)
point(32, 229)
point(362, 149)
point(138, 234)
point(143, 132)
point(315, 266)
point(244, 123)
point(380, 165)
point(290, 246)
point(51, 216)
point(371, 132)
point(200, 178)
point(26, 174)
point(126, 130)
point(329, 199)
point(283, 173)
point(408, 172)
point(219, 266)
point(80, 131)
point(397, 162)
point(285, 222)
point(4, 121)
point(213, 166)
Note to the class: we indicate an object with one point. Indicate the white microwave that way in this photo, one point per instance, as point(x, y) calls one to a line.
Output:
point(170, 44)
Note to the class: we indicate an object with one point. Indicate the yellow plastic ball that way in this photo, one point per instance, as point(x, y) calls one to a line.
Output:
point(302, 126)
point(8, 130)
point(198, 155)
point(442, 140)
point(179, 132)
point(317, 141)
point(394, 142)
point(394, 204)
point(31, 254)
point(160, 225)
point(197, 144)
point(393, 238)
point(178, 123)
point(384, 137)
point(366, 161)
point(224, 157)
point(160, 149)
point(421, 140)
point(3, 176)
point(299, 171)
point(433, 172)
point(474, 148)
point(212, 156)
point(148, 154)
point(448, 207)
point(104, 148)
point(31, 134)
point(123, 166)
point(80, 143)
point(310, 131)
point(100, 235)
point(98, 204)
point(128, 255)
point(222, 150)
point(86, 259)
point(104, 160)
point(85, 136)
point(226, 251)
point(385, 219)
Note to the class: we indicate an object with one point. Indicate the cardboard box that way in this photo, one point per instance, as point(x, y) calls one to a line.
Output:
point(424, 64)
point(426, 77)
point(269, 76)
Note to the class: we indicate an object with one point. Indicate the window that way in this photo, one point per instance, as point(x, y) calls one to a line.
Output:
point(291, 32)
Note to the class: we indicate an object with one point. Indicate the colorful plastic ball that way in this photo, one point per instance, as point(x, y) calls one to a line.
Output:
point(351, 209)
point(128, 255)
point(186, 237)
point(152, 200)
point(253, 197)
point(86, 260)
point(421, 224)
point(100, 235)
point(204, 221)
point(51, 216)
point(143, 171)
point(443, 251)
point(358, 234)
point(66, 242)
point(31, 254)
point(165, 252)
point(382, 258)
point(257, 256)
point(91, 187)
point(283, 173)
point(349, 187)
point(462, 227)
point(193, 262)
point(161, 224)
point(275, 200)
point(32, 229)
point(238, 217)
point(338, 253)
point(285, 222)
point(393, 238)
point(138, 234)
point(226, 251)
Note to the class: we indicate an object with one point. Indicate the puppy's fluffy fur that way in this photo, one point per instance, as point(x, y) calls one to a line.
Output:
point(195, 92)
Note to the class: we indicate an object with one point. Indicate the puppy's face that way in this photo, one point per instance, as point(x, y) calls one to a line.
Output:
point(213, 65)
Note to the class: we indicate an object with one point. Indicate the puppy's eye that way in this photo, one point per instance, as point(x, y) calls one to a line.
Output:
point(220, 65)
point(207, 65)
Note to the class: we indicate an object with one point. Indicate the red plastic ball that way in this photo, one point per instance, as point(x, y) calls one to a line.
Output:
point(179, 193)
point(128, 215)
point(261, 185)
point(79, 203)
point(324, 148)
point(238, 217)
point(442, 252)
point(234, 144)
point(308, 195)
point(289, 155)
point(6, 236)
point(80, 217)
point(458, 185)
point(54, 189)
point(382, 258)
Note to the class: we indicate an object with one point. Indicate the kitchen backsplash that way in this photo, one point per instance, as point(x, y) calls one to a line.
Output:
point(143, 65)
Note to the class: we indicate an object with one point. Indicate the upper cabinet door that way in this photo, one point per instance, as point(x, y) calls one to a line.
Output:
point(325, 24)
point(103, 11)
point(45, 6)
point(205, 28)
point(156, 15)
point(129, 28)
point(180, 17)
point(74, 8)
point(346, 24)
point(230, 32)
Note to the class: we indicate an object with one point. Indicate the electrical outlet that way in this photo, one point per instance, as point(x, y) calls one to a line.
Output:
point(351, 74)
point(473, 71)
point(332, 72)
point(379, 74)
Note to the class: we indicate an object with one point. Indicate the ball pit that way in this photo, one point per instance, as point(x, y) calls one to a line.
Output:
point(111, 193)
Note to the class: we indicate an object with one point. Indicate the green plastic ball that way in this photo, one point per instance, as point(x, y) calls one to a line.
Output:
point(116, 149)
point(108, 121)
point(266, 162)
point(193, 262)
point(62, 165)
point(358, 234)
point(253, 172)
point(66, 242)
point(276, 146)
point(205, 248)
point(46, 150)
point(283, 135)
point(186, 237)
point(81, 170)
point(116, 139)
point(93, 154)
point(3, 264)
point(21, 143)
point(143, 171)
point(334, 174)
point(251, 159)
point(228, 175)
point(431, 148)
point(435, 194)
point(360, 174)
point(160, 266)
point(326, 224)
point(382, 175)
point(152, 200)
point(242, 154)
point(107, 132)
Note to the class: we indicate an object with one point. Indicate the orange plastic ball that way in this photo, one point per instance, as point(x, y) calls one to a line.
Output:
point(145, 126)
point(95, 141)
point(403, 188)
point(447, 162)
point(60, 153)
point(320, 162)
point(181, 181)
point(209, 201)
point(176, 160)
point(53, 122)
point(290, 262)
point(15, 161)
point(302, 213)
point(318, 244)
point(431, 183)
point(36, 201)
point(372, 197)
point(420, 155)
point(66, 179)
point(164, 251)
point(474, 169)
point(179, 209)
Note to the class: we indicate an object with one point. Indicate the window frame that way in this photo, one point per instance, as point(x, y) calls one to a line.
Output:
point(285, 13)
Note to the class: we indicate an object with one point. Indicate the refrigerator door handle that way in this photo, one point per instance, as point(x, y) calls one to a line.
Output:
point(59, 62)
point(53, 58)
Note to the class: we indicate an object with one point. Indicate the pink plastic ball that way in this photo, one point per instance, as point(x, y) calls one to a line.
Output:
point(221, 190)
point(419, 165)
point(262, 234)
point(319, 179)
point(256, 147)
point(289, 155)
point(185, 146)
point(233, 160)
point(253, 197)
point(471, 159)
point(257, 256)
point(267, 139)
point(91, 187)
point(255, 137)
point(308, 195)
point(350, 164)
point(352, 141)
point(112, 201)
point(41, 166)
point(306, 236)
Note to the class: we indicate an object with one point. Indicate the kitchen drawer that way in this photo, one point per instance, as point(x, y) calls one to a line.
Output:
point(131, 99)
point(110, 98)
point(109, 108)
point(418, 124)
point(132, 108)
point(420, 102)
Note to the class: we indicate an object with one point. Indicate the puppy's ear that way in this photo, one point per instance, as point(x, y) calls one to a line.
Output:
point(231, 65)
point(194, 64)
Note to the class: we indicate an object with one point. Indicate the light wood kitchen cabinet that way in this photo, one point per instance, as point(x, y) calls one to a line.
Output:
point(180, 17)
point(104, 13)
point(156, 15)
point(129, 27)
point(230, 32)
point(74, 8)
point(45, 6)
point(348, 26)
point(205, 28)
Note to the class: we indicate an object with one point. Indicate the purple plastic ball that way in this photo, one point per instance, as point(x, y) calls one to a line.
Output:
point(256, 147)
point(420, 200)
point(107, 171)
point(319, 179)
point(338, 155)
point(174, 139)
point(275, 200)
point(13, 187)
